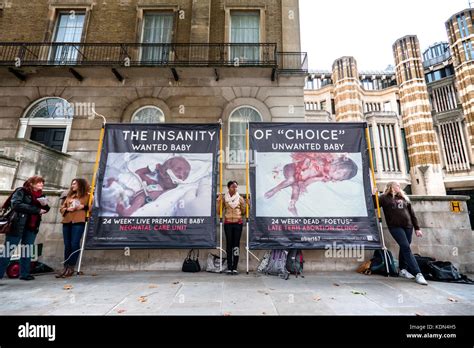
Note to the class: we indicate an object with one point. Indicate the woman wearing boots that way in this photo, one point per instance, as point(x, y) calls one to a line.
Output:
point(29, 204)
point(74, 211)
point(233, 206)
point(401, 222)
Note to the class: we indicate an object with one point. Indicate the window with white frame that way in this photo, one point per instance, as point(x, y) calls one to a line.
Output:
point(245, 29)
point(148, 114)
point(48, 121)
point(388, 147)
point(157, 29)
point(68, 30)
point(238, 121)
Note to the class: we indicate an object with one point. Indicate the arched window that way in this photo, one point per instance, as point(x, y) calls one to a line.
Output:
point(237, 125)
point(48, 122)
point(148, 114)
point(55, 108)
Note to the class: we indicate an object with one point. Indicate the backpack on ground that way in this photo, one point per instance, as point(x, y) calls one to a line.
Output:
point(377, 264)
point(264, 263)
point(441, 271)
point(423, 263)
point(277, 264)
point(294, 262)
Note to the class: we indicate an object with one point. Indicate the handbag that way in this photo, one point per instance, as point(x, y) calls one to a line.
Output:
point(6, 221)
point(191, 262)
point(214, 263)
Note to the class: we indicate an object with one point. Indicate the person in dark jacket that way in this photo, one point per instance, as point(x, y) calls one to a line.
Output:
point(401, 220)
point(29, 204)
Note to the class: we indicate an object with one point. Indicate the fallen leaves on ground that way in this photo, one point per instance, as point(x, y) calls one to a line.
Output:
point(142, 299)
point(356, 292)
point(452, 299)
point(67, 287)
point(121, 311)
point(152, 286)
point(317, 298)
point(336, 284)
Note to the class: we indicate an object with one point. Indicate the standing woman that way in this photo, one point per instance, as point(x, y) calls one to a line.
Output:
point(401, 221)
point(28, 203)
point(74, 211)
point(233, 206)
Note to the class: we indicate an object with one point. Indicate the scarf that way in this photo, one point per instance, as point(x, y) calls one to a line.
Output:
point(232, 201)
point(33, 219)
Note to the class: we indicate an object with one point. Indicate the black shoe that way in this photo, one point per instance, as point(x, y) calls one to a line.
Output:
point(29, 277)
point(234, 272)
point(228, 272)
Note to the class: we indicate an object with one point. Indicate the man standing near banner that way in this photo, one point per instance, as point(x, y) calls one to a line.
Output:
point(234, 210)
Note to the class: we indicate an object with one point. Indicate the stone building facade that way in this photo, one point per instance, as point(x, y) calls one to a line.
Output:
point(418, 110)
point(180, 61)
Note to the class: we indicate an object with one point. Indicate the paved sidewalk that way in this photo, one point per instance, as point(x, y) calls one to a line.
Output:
point(177, 293)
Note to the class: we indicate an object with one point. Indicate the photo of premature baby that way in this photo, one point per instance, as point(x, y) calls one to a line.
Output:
point(156, 185)
point(309, 184)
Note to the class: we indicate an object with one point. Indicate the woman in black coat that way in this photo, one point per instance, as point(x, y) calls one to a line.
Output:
point(28, 204)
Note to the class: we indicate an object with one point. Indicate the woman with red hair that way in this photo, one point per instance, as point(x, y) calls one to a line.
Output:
point(28, 203)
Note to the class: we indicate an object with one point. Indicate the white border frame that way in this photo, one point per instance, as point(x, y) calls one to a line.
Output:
point(238, 165)
point(145, 107)
point(27, 123)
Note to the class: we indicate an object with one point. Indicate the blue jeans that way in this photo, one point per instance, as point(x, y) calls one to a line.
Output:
point(406, 260)
point(27, 241)
point(72, 234)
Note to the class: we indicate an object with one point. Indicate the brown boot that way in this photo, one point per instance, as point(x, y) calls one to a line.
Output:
point(69, 272)
point(62, 273)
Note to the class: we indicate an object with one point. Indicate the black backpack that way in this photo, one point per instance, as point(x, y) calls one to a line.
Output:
point(295, 261)
point(441, 271)
point(377, 264)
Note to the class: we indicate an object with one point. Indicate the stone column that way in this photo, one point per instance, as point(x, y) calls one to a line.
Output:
point(347, 90)
point(423, 152)
point(460, 33)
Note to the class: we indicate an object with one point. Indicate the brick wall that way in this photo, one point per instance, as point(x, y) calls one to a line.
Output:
point(117, 21)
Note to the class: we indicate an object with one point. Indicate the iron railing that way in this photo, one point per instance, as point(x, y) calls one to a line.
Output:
point(18, 54)
point(293, 62)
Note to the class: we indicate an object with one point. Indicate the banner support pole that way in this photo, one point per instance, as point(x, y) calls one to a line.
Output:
point(221, 154)
point(377, 203)
point(247, 145)
point(91, 195)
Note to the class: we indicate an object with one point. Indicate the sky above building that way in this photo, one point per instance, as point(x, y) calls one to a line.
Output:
point(366, 29)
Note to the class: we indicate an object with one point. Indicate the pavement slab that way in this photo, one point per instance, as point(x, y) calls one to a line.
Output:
point(177, 293)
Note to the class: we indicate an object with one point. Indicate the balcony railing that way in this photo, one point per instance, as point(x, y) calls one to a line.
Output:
point(293, 62)
point(17, 54)
point(436, 60)
point(380, 113)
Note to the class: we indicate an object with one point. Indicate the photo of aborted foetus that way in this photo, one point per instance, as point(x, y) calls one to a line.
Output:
point(309, 184)
point(162, 184)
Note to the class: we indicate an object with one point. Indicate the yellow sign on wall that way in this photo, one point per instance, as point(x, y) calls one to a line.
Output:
point(455, 206)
